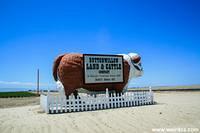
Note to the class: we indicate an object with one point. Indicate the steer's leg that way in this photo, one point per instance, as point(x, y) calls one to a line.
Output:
point(75, 94)
point(119, 93)
point(68, 91)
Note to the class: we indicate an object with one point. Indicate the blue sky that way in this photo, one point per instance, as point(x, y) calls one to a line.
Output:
point(166, 33)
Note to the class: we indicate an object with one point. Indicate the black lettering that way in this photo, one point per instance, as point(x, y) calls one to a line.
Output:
point(104, 71)
point(102, 66)
point(120, 66)
point(92, 66)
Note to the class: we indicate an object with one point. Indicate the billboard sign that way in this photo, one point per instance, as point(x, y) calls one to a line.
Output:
point(103, 69)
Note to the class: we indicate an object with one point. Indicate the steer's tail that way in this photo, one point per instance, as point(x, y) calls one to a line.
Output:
point(55, 66)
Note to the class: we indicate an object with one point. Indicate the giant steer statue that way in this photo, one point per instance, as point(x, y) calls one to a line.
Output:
point(68, 73)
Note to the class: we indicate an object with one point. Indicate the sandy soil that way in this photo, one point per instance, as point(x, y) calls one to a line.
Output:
point(173, 110)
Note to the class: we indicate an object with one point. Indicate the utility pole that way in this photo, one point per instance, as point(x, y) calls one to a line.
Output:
point(38, 78)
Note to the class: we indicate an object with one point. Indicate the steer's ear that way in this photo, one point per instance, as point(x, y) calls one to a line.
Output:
point(136, 59)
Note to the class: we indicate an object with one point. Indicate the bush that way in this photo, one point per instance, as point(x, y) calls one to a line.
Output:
point(16, 94)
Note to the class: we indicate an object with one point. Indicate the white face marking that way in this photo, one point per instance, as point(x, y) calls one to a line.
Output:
point(136, 67)
point(60, 88)
point(133, 73)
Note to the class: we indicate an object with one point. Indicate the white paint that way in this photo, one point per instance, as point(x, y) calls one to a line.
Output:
point(133, 73)
point(57, 104)
point(60, 88)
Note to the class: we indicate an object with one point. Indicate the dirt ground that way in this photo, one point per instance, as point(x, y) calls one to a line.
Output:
point(17, 102)
point(173, 112)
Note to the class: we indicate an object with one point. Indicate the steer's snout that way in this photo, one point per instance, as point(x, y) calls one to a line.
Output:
point(136, 62)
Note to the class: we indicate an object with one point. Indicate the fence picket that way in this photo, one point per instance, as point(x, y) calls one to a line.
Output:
point(146, 98)
point(101, 105)
point(61, 104)
point(114, 98)
point(111, 100)
point(47, 102)
point(65, 104)
point(117, 100)
point(52, 104)
point(140, 98)
point(137, 99)
point(132, 99)
point(56, 101)
point(107, 102)
point(73, 103)
point(69, 100)
point(86, 103)
point(95, 102)
point(128, 99)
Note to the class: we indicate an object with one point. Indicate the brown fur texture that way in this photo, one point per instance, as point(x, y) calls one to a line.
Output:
point(69, 69)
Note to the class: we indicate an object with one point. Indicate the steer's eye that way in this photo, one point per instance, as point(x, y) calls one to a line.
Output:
point(136, 59)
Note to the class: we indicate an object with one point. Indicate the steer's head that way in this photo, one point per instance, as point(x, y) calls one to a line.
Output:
point(136, 65)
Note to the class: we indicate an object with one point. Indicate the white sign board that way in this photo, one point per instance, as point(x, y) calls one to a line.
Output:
point(103, 69)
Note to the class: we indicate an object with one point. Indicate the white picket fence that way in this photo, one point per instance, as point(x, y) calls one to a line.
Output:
point(60, 104)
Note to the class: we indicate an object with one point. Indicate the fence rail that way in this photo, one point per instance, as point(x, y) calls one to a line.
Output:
point(60, 104)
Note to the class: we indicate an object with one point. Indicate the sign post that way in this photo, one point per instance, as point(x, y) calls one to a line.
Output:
point(38, 80)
